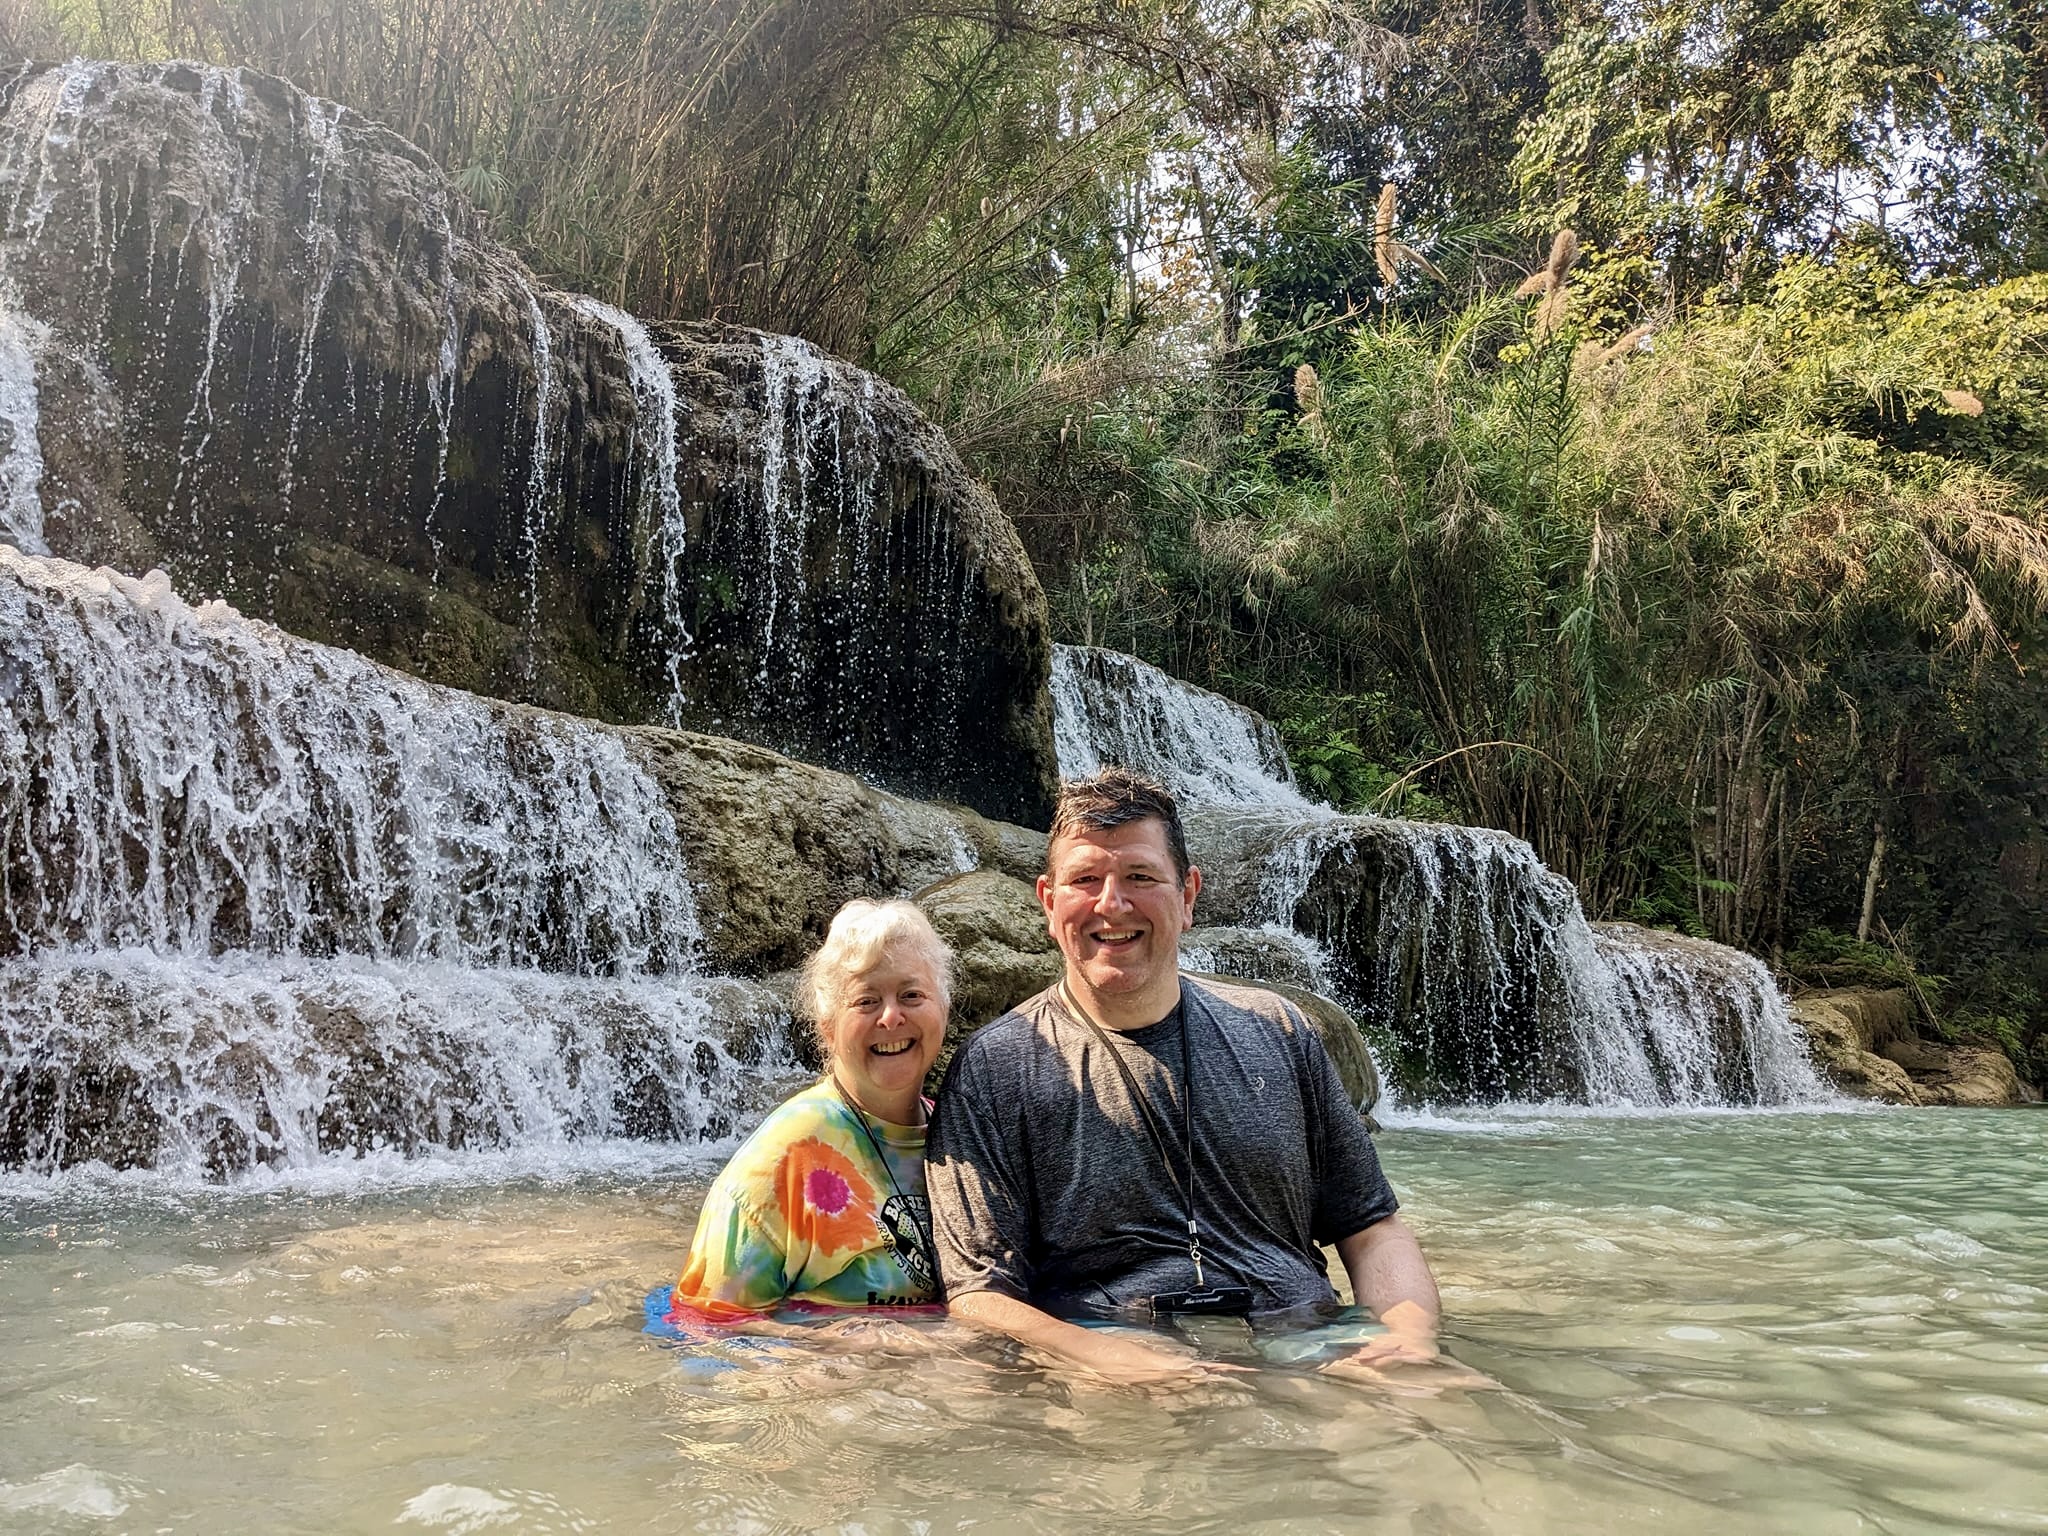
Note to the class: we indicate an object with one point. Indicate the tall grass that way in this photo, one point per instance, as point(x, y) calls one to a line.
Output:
point(848, 170)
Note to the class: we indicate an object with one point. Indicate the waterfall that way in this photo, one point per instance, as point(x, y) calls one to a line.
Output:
point(1669, 982)
point(821, 557)
point(323, 251)
point(21, 467)
point(262, 899)
point(206, 1067)
point(792, 380)
point(539, 462)
point(1477, 963)
point(1471, 964)
point(1113, 708)
point(254, 339)
point(660, 530)
point(186, 780)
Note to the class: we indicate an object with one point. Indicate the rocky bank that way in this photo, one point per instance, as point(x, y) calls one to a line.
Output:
point(1868, 1041)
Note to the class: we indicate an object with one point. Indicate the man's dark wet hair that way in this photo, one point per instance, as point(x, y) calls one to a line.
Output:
point(1116, 797)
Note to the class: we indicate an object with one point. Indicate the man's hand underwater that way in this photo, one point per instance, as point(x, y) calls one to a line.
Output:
point(1390, 1349)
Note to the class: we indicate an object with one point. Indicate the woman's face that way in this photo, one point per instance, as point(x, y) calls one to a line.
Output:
point(886, 1034)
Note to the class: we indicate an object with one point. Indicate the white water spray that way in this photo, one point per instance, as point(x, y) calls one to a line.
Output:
point(186, 780)
point(266, 900)
point(1112, 708)
point(21, 465)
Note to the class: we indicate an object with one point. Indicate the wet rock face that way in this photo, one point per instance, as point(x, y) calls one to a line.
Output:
point(1443, 938)
point(1002, 953)
point(776, 847)
point(254, 340)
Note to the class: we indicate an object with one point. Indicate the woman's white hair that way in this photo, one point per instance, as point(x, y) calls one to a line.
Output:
point(863, 934)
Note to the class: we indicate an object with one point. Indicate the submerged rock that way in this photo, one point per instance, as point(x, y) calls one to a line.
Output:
point(251, 338)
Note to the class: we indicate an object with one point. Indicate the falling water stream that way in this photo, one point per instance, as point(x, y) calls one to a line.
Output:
point(262, 901)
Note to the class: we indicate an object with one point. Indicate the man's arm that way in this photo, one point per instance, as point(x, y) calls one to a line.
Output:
point(1390, 1277)
point(1111, 1356)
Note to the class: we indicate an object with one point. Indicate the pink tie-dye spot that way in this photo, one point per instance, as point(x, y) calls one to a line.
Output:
point(827, 1191)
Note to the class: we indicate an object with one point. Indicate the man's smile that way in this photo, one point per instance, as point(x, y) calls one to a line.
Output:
point(1117, 936)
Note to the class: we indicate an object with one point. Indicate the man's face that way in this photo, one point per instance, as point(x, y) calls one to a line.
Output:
point(1116, 908)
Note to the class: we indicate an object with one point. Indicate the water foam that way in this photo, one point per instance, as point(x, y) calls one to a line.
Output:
point(267, 903)
point(187, 780)
point(1112, 708)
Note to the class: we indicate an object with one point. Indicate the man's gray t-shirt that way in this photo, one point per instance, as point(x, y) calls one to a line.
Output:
point(1045, 1184)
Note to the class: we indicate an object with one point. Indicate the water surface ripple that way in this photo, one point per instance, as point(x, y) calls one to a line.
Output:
point(1813, 1322)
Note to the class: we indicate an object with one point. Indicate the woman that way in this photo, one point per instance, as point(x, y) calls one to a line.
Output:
point(824, 1205)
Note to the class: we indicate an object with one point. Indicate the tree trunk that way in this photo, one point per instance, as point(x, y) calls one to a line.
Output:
point(1870, 879)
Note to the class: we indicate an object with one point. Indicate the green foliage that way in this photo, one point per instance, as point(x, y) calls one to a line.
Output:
point(1825, 958)
point(1730, 136)
point(1330, 763)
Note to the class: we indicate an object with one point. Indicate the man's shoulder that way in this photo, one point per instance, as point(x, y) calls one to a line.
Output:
point(1245, 998)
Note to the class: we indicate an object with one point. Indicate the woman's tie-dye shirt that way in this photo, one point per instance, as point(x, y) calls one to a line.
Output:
point(805, 1213)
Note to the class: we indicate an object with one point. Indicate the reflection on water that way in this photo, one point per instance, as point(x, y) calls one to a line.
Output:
point(1811, 1323)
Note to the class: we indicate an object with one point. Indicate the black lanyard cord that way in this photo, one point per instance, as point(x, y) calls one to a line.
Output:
point(919, 1225)
point(1186, 1191)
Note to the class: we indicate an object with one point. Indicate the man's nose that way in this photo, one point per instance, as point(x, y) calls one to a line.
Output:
point(1114, 897)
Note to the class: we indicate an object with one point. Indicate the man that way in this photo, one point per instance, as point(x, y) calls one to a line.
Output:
point(1131, 1143)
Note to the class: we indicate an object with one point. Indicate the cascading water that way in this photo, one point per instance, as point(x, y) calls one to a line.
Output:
point(1754, 1056)
point(540, 463)
point(820, 558)
point(254, 339)
point(21, 467)
point(660, 529)
point(1467, 959)
point(1113, 708)
point(264, 899)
